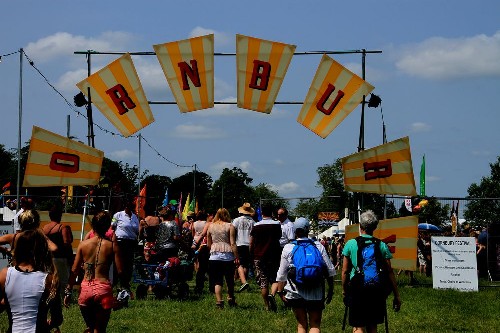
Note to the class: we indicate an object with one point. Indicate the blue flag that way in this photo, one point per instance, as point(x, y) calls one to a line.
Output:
point(165, 201)
point(259, 214)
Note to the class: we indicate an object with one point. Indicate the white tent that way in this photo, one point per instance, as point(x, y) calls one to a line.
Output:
point(331, 232)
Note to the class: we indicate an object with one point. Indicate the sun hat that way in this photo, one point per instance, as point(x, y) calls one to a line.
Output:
point(301, 223)
point(246, 209)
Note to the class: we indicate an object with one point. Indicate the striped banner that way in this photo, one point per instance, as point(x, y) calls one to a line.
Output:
point(261, 67)
point(334, 92)
point(188, 66)
point(117, 92)
point(55, 160)
point(385, 169)
point(74, 221)
point(400, 235)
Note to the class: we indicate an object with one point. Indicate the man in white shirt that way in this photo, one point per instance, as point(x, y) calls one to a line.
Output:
point(287, 230)
point(243, 225)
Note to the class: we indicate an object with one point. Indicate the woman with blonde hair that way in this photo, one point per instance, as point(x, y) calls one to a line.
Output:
point(30, 288)
point(221, 240)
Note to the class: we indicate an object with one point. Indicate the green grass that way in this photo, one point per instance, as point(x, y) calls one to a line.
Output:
point(424, 310)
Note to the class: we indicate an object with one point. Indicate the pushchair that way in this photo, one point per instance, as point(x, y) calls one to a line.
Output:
point(165, 278)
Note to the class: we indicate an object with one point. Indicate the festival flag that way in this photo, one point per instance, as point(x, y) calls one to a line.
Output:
point(334, 93)
point(140, 202)
point(400, 235)
point(188, 66)
point(117, 92)
point(258, 212)
point(5, 187)
point(261, 67)
point(422, 178)
point(454, 218)
point(192, 205)
point(165, 200)
point(55, 160)
point(186, 207)
point(385, 169)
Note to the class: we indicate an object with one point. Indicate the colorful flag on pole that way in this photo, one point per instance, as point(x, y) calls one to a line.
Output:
point(140, 202)
point(165, 200)
point(55, 160)
point(186, 207)
point(261, 68)
point(259, 213)
point(422, 178)
point(385, 169)
point(117, 92)
point(5, 187)
point(192, 205)
point(188, 66)
point(334, 93)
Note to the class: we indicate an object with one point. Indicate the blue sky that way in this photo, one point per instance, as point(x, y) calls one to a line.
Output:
point(438, 77)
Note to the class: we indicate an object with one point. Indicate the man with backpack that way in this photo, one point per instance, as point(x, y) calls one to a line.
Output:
point(367, 277)
point(304, 266)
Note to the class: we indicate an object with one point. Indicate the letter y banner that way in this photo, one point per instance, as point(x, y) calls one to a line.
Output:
point(117, 92)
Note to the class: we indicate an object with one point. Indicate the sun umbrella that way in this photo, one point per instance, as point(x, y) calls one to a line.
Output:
point(428, 227)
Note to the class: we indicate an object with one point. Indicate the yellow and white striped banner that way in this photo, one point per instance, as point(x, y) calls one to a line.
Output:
point(385, 169)
point(334, 92)
point(261, 67)
point(55, 160)
point(74, 221)
point(117, 92)
point(188, 66)
point(400, 235)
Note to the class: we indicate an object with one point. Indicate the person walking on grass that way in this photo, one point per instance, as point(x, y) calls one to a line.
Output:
point(221, 240)
point(307, 299)
point(95, 256)
point(266, 251)
point(243, 225)
point(367, 304)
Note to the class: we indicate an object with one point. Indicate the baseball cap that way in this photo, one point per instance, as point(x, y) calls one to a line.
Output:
point(301, 223)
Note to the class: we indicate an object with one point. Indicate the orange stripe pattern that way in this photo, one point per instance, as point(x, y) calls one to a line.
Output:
point(117, 92)
point(72, 220)
point(55, 160)
point(400, 234)
point(188, 66)
point(261, 67)
point(385, 169)
point(334, 93)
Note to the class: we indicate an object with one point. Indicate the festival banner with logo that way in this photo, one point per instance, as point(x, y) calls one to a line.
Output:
point(400, 235)
point(55, 160)
point(74, 221)
point(117, 92)
point(385, 169)
point(334, 92)
point(188, 66)
point(261, 67)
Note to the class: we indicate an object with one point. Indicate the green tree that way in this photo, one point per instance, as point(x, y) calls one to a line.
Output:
point(269, 196)
point(156, 186)
point(483, 212)
point(198, 181)
point(230, 191)
point(434, 213)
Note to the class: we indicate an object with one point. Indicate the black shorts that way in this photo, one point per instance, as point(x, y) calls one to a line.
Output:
point(218, 270)
point(367, 308)
point(244, 254)
point(305, 304)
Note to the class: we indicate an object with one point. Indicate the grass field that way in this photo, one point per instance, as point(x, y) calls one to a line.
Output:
point(424, 310)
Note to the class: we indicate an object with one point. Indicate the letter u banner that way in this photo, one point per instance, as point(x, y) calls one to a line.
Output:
point(117, 92)
point(333, 94)
point(188, 66)
point(400, 235)
point(55, 160)
point(385, 169)
point(261, 68)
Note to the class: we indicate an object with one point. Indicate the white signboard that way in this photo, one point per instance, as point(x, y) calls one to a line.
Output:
point(454, 264)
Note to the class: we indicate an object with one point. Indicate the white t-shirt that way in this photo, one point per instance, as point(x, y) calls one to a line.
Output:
point(243, 226)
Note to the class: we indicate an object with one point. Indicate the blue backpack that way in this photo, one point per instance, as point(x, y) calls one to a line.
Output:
point(309, 267)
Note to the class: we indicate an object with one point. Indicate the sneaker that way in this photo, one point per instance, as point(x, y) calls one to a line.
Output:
point(231, 302)
point(272, 303)
point(244, 287)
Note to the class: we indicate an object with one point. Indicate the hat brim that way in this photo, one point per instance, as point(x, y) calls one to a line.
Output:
point(249, 211)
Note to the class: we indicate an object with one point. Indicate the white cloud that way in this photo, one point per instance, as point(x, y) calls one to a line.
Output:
point(63, 44)
point(244, 166)
point(122, 154)
point(371, 74)
point(420, 127)
point(285, 188)
point(67, 82)
point(442, 58)
point(191, 131)
point(481, 153)
point(151, 75)
point(221, 38)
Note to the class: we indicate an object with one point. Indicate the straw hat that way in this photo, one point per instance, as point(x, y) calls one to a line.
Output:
point(246, 209)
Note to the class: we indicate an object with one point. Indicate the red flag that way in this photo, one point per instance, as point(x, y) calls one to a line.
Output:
point(6, 186)
point(140, 202)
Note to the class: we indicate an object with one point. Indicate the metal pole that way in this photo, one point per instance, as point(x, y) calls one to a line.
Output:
point(18, 189)
point(68, 135)
point(361, 143)
point(139, 171)
point(194, 182)
point(90, 123)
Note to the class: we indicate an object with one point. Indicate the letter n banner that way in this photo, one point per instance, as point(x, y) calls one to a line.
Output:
point(188, 66)
point(333, 94)
point(261, 67)
point(117, 92)
point(55, 160)
point(385, 169)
